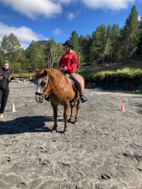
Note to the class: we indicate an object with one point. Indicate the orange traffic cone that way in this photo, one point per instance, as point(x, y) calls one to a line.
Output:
point(122, 108)
point(13, 108)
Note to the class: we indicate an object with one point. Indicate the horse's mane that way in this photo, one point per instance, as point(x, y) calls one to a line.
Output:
point(44, 72)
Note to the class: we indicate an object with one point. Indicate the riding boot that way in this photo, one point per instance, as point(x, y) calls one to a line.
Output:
point(83, 98)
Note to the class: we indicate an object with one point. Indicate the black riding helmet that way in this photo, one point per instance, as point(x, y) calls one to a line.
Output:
point(68, 43)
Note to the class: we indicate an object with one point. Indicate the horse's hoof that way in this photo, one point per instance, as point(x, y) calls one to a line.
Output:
point(69, 120)
point(54, 130)
point(76, 122)
point(65, 131)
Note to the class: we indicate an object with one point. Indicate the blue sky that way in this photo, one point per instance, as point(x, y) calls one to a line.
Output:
point(43, 19)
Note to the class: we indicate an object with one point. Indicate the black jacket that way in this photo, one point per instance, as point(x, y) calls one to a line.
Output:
point(4, 76)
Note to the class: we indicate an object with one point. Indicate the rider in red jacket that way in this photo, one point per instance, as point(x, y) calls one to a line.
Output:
point(68, 64)
point(69, 61)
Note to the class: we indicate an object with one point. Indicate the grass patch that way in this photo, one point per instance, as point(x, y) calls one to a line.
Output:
point(91, 75)
point(24, 75)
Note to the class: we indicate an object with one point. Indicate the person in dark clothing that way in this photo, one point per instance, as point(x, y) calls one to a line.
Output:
point(4, 86)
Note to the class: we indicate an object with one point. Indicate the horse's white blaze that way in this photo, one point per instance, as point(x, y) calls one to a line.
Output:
point(38, 88)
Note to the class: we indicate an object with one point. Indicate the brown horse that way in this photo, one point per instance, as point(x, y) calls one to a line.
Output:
point(53, 83)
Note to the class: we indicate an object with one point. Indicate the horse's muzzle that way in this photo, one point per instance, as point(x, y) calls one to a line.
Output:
point(39, 99)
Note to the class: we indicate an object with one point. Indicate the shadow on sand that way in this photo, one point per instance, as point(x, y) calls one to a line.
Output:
point(25, 124)
point(139, 107)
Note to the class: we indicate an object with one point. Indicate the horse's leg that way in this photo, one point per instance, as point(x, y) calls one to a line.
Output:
point(55, 112)
point(66, 107)
point(72, 111)
point(77, 110)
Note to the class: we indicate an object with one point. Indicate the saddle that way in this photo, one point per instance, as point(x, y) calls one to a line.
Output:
point(73, 82)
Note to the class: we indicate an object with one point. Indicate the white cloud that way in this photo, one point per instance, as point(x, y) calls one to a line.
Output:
point(107, 4)
point(57, 32)
point(64, 1)
point(36, 8)
point(139, 18)
point(51, 8)
point(70, 16)
point(24, 45)
point(25, 35)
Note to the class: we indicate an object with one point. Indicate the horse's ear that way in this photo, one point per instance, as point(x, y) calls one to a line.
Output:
point(45, 72)
point(37, 70)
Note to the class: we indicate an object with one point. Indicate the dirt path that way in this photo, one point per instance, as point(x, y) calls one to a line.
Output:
point(104, 151)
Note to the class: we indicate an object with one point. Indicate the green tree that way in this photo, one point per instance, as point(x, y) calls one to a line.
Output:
point(139, 49)
point(99, 40)
point(54, 53)
point(129, 35)
point(59, 52)
point(1, 57)
point(36, 56)
point(108, 50)
point(109, 29)
point(84, 49)
point(11, 48)
point(87, 53)
point(115, 48)
point(75, 39)
point(81, 49)
point(108, 46)
point(24, 62)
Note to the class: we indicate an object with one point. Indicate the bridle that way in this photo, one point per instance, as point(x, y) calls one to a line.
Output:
point(44, 95)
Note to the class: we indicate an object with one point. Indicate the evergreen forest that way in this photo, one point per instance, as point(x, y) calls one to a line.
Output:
point(107, 44)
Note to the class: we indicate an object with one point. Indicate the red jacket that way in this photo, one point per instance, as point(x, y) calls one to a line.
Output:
point(70, 61)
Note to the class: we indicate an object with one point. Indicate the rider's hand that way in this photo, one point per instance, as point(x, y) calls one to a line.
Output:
point(12, 78)
point(64, 68)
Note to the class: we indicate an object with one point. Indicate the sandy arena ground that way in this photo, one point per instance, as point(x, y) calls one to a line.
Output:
point(104, 151)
